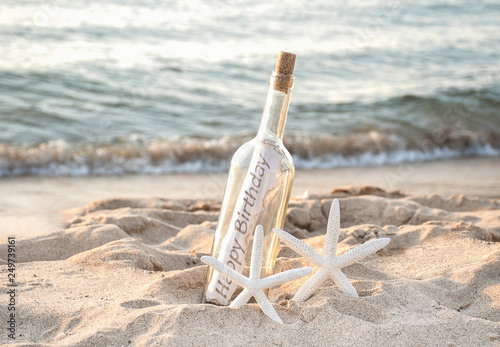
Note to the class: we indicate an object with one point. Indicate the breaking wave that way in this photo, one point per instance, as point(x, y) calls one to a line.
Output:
point(194, 155)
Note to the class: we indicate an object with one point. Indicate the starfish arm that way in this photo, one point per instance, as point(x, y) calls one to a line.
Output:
point(311, 285)
point(300, 247)
point(241, 299)
point(267, 307)
point(356, 254)
point(332, 231)
point(257, 252)
point(343, 283)
point(225, 270)
point(283, 277)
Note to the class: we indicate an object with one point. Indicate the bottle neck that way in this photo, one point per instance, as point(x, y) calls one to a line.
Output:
point(275, 112)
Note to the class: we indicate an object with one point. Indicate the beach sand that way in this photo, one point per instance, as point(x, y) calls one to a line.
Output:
point(127, 272)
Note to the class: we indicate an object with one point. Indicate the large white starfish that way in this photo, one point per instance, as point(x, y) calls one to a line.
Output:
point(254, 285)
point(329, 264)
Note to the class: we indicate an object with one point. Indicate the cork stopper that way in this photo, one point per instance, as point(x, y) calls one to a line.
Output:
point(283, 79)
point(285, 63)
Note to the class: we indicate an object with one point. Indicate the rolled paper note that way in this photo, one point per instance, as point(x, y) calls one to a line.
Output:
point(259, 182)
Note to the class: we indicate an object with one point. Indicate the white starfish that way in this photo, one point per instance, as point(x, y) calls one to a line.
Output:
point(329, 264)
point(254, 285)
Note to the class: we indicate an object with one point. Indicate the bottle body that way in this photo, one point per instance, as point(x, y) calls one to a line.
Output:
point(257, 192)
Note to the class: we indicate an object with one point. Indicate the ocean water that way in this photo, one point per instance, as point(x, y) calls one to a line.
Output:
point(114, 87)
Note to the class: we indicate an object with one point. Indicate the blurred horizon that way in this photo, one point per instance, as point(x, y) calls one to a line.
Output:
point(129, 87)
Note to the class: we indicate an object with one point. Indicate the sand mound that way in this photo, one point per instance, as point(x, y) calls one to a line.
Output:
point(151, 226)
point(63, 244)
point(133, 253)
point(456, 203)
point(127, 272)
point(194, 238)
point(151, 203)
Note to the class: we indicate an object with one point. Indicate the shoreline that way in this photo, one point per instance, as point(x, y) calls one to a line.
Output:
point(32, 205)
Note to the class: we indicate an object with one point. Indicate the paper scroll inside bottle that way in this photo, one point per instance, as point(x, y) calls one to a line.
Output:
point(258, 186)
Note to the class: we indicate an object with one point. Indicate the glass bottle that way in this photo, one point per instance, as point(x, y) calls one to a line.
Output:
point(257, 191)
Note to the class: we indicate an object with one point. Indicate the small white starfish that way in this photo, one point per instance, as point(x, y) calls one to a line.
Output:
point(330, 265)
point(254, 285)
